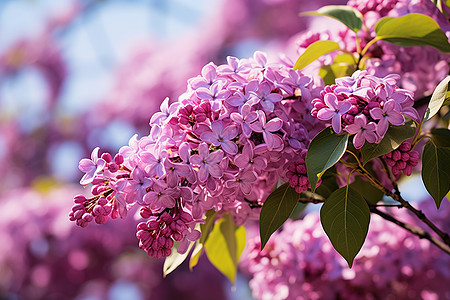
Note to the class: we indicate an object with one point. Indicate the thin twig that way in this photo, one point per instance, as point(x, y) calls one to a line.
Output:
point(414, 230)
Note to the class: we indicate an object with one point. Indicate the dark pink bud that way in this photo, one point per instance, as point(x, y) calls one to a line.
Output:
point(152, 225)
point(79, 199)
point(177, 236)
point(405, 147)
point(78, 214)
point(166, 218)
point(396, 155)
point(169, 243)
point(118, 159)
point(142, 226)
point(107, 157)
point(405, 156)
point(113, 167)
point(102, 201)
point(78, 207)
point(146, 212)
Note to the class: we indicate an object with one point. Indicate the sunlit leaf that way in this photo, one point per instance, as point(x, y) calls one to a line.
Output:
point(412, 30)
point(437, 99)
point(314, 51)
point(347, 15)
point(225, 245)
point(325, 150)
point(175, 259)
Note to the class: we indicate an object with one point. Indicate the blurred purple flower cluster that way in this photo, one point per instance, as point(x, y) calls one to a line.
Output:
point(300, 263)
point(43, 256)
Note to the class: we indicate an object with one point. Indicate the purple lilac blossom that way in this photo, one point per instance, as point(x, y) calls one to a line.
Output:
point(364, 105)
point(204, 152)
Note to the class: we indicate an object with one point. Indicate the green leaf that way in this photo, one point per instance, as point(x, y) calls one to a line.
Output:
point(329, 73)
point(175, 259)
point(436, 171)
point(392, 139)
point(370, 193)
point(205, 229)
point(314, 51)
point(298, 210)
point(195, 255)
point(225, 245)
point(412, 30)
point(437, 99)
point(347, 15)
point(440, 137)
point(345, 217)
point(325, 150)
point(329, 183)
point(276, 210)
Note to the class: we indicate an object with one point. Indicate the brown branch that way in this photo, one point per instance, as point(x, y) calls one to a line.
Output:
point(414, 230)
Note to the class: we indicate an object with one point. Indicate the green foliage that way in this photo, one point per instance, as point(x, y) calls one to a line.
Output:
point(224, 246)
point(314, 51)
point(205, 229)
point(329, 183)
point(343, 65)
point(345, 217)
point(412, 30)
point(174, 259)
point(370, 193)
point(347, 15)
point(325, 150)
point(435, 165)
point(276, 210)
point(437, 99)
point(392, 139)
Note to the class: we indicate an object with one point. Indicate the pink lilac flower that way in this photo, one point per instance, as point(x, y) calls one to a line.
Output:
point(222, 136)
point(91, 167)
point(272, 141)
point(218, 147)
point(386, 115)
point(334, 110)
point(363, 131)
point(208, 162)
point(364, 104)
point(265, 97)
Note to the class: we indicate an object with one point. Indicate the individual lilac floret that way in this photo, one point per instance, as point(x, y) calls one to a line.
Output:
point(402, 159)
point(222, 136)
point(208, 162)
point(363, 131)
point(91, 167)
point(364, 105)
point(333, 110)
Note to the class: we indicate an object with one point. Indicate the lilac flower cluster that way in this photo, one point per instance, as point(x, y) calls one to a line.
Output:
point(222, 146)
point(300, 263)
point(403, 159)
point(364, 105)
